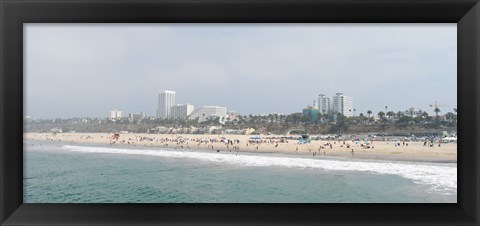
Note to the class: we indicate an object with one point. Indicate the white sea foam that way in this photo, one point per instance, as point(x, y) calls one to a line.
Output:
point(441, 178)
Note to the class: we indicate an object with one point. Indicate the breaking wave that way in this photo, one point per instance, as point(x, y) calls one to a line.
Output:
point(441, 178)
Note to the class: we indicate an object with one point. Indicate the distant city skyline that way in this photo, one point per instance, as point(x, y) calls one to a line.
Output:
point(86, 70)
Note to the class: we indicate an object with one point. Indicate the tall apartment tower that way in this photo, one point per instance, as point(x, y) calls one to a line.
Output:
point(343, 104)
point(166, 100)
point(324, 104)
point(115, 114)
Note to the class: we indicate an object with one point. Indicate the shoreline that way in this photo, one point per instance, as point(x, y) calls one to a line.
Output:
point(381, 150)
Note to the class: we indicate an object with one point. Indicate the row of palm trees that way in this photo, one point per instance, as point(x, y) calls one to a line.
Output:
point(329, 118)
point(388, 117)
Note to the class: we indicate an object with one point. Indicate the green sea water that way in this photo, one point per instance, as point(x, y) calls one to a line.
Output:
point(62, 173)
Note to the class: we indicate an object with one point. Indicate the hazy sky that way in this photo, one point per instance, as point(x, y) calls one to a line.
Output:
point(78, 70)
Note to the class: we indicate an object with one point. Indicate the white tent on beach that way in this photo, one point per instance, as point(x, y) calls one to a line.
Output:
point(449, 139)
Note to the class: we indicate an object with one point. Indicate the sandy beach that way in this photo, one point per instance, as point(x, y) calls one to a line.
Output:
point(385, 150)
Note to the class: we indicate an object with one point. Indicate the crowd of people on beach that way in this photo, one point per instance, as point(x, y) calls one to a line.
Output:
point(219, 143)
point(213, 143)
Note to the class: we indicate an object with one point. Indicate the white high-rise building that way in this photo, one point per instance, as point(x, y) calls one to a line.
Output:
point(181, 111)
point(343, 104)
point(324, 104)
point(205, 112)
point(115, 114)
point(166, 100)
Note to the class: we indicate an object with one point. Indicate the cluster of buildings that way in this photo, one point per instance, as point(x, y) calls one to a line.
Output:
point(168, 109)
point(336, 104)
point(132, 117)
point(339, 103)
point(342, 104)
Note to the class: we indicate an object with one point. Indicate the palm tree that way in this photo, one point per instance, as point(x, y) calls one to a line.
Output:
point(381, 115)
point(425, 116)
point(361, 117)
point(399, 114)
point(325, 117)
point(450, 116)
point(390, 114)
point(436, 113)
point(319, 117)
point(369, 112)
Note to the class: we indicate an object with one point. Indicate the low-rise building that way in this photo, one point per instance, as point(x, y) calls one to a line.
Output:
point(206, 112)
point(56, 130)
point(181, 111)
point(136, 117)
point(413, 112)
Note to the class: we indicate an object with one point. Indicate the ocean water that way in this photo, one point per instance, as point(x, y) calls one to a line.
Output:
point(63, 173)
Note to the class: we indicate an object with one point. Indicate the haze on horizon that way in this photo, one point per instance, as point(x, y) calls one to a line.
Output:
point(85, 70)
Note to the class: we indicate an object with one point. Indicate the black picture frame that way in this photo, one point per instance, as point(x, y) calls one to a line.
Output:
point(13, 13)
